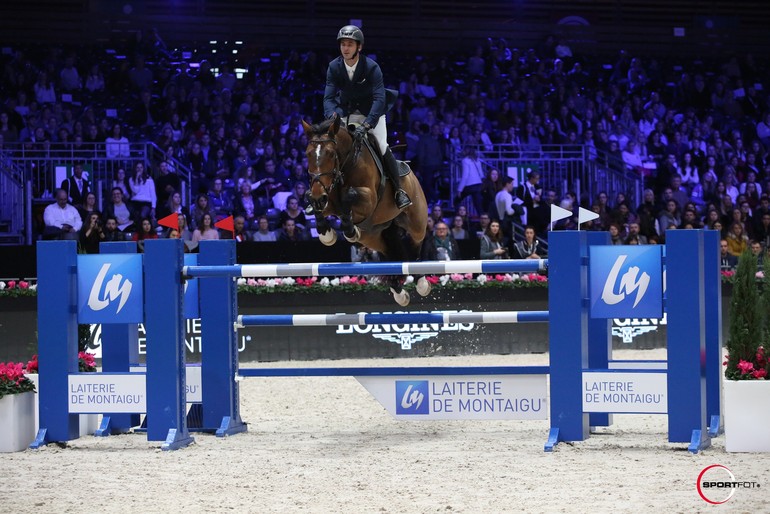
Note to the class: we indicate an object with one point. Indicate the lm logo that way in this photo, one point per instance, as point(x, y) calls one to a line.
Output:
point(412, 397)
point(630, 281)
point(116, 289)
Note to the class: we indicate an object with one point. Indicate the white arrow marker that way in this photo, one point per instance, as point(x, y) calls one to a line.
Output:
point(557, 213)
point(585, 215)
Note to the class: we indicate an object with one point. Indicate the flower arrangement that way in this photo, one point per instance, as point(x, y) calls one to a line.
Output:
point(12, 379)
point(348, 283)
point(86, 363)
point(14, 288)
point(749, 322)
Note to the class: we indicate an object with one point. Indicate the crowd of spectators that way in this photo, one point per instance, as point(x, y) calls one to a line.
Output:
point(696, 131)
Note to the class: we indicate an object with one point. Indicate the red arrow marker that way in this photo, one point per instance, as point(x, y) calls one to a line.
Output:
point(225, 224)
point(170, 221)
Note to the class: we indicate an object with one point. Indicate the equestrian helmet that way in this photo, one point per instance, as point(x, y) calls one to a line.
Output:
point(351, 32)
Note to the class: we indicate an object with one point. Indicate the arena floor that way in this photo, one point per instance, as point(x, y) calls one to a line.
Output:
point(325, 445)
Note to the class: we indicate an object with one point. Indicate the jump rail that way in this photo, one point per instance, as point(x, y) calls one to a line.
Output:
point(322, 320)
point(367, 268)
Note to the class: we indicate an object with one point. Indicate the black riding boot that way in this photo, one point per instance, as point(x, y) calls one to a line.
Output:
point(390, 166)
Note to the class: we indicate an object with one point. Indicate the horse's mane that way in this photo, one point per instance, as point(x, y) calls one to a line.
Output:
point(321, 128)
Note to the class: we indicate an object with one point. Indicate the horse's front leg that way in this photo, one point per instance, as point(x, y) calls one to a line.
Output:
point(349, 229)
point(326, 233)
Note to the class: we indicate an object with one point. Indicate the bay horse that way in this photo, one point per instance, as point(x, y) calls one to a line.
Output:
point(345, 182)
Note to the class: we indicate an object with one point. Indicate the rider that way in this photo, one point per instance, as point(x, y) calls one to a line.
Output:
point(354, 88)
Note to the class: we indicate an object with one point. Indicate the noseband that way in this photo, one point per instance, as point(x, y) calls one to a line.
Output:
point(336, 173)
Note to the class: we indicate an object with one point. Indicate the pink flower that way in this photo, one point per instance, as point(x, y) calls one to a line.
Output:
point(469, 276)
point(362, 281)
point(433, 279)
point(760, 274)
point(500, 278)
point(11, 284)
point(23, 284)
point(759, 374)
point(32, 365)
point(760, 357)
point(456, 277)
point(745, 367)
point(251, 282)
point(345, 280)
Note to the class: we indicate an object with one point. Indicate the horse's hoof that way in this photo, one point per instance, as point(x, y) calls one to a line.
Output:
point(402, 298)
point(356, 235)
point(423, 286)
point(328, 238)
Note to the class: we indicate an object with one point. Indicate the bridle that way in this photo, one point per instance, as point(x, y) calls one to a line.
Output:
point(336, 173)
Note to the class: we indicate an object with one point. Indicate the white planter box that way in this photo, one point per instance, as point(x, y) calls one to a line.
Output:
point(17, 422)
point(89, 423)
point(747, 415)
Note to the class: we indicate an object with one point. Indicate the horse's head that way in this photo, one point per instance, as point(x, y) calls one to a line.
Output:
point(323, 161)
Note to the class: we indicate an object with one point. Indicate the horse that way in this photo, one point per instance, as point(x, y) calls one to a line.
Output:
point(346, 183)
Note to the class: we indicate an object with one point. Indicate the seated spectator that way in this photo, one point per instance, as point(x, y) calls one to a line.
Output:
point(146, 231)
point(263, 233)
point(199, 209)
point(616, 235)
point(458, 228)
point(62, 220)
point(240, 234)
point(758, 253)
point(173, 233)
point(737, 240)
point(634, 230)
point(529, 248)
point(117, 144)
point(121, 211)
point(91, 233)
point(292, 211)
point(88, 207)
point(440, 246)
point(173, 205)
point(143, 196)
point(727, 261)
point(184, 232)
point(359, 253)
point(205, 230)
point(271, 181)
point(111, 231)
point(121, 182)
point(247, 205)
point(77, 187)
point(221, 205)
point(493, 243)
point(291, 232)
point(299, 190)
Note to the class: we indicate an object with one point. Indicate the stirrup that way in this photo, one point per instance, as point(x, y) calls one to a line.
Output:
point(402, 199)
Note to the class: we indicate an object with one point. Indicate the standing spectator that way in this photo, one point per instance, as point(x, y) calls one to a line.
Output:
point(77, 187)
point(139, 76)
point(471, 179)
point(168, 182)
point(205, 230)
point(143, 196)
point(490, 186)
point(530, 192)
point(430, 158)
point(441, 246)
point(62, 220)
point(507, 207)
point(493, 244)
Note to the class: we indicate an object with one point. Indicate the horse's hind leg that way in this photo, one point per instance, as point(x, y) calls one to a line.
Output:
point(396, 251)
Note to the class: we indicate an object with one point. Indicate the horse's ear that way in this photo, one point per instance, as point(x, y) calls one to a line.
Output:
point(306, 127)
point(334, 127)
